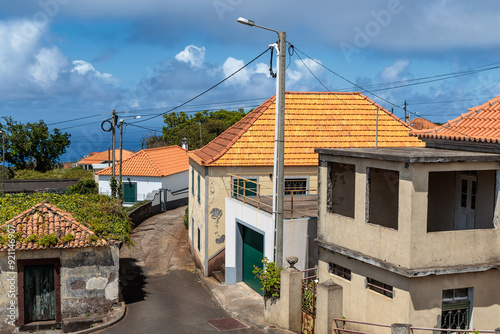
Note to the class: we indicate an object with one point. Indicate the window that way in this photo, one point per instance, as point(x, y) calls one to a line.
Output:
point(383, 197)
point(341, 184)
point(199, 239)
point(461, 200)
point(244, 187)
point(192, 182)
point(340, 271)
point(295, 186)
point(199, 187)
point(456, 308)
point(382, 288)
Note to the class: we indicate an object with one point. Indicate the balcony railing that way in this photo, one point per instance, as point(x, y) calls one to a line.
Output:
point(300, 200)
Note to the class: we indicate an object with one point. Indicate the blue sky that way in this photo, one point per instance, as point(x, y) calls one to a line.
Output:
point(63, 60)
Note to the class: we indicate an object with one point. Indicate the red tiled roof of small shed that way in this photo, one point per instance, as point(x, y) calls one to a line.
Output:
point(155, 162)
point(99, 157)
point(44, 219)
point(421, 124)
point(312, 120)
point(480, 124)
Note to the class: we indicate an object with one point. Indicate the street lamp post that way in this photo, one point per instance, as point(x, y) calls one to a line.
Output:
point(279, 140)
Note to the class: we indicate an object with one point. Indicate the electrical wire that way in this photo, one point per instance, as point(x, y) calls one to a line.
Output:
point(349, 81)
point(207, 90)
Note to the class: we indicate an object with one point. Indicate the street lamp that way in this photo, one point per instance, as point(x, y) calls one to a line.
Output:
point(279, 139)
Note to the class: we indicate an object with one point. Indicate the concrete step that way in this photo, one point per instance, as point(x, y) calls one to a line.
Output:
point(219, 276)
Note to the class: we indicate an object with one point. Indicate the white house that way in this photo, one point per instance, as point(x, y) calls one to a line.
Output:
point(149, 171)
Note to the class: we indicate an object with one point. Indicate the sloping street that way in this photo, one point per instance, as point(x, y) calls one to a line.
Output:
point(162, 290)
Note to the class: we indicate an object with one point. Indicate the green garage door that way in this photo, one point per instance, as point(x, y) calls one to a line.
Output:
point(253, 253)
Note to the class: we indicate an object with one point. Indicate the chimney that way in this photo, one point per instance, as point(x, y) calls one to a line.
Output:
point(184, 144)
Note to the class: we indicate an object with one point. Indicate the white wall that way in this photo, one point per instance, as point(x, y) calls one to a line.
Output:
point(296, 236)
point(250, 216)
point(176, 182)
point(145, 185)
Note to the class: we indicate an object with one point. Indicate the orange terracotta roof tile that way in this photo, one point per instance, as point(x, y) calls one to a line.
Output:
point(155, 162)
point(312, 120)
point(480, 124)
point(99, 157)
point(44, 219)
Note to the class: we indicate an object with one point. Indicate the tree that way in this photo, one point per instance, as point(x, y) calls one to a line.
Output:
point(32, 146)
point(199, 128)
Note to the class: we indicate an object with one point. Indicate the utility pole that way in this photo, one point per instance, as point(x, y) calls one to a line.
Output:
point(279, 148)
point(279, 141)
point(376, 130)
point(113, 145)
point(3, 163)
point(121, 157)
point(407, 117)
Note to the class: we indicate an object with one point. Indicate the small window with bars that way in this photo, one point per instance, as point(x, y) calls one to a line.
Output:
point(295, 186)
point(456, 308)
point(340, 271)
point(382, 288)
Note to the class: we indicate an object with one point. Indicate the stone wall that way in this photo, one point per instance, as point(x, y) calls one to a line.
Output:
point(89, 280)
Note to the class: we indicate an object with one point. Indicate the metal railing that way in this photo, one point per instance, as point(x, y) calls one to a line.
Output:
point(249, 190)
point(341, 329)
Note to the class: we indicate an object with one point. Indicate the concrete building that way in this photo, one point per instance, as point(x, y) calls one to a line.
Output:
point(411, 236)
point(161, 170)
point(477, 130)
point(57, 269)
point(240, 161)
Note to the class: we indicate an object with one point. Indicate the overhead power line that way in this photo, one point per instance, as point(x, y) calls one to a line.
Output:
point(206, 91)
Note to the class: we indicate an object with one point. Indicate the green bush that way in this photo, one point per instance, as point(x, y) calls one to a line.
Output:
point(102, 214)
point(186, 218)
point(270, 278)
point(58, 173)
point(83, 187)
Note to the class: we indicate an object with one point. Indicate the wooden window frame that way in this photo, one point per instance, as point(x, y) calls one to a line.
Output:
point(20, 285)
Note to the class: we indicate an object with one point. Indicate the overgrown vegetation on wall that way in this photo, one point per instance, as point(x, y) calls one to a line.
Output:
point(102, 214)
point(58, 173)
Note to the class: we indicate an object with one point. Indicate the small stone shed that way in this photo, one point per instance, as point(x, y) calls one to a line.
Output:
point(62, 269)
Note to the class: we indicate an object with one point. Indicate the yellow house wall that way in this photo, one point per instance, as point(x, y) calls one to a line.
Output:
point(197, 210)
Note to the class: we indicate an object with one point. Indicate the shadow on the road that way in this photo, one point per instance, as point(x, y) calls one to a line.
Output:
point(132, 281)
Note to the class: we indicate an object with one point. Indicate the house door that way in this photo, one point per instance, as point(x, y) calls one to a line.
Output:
point(466, 200)
point(253, 253)
point(129, 192)
point(39, 293)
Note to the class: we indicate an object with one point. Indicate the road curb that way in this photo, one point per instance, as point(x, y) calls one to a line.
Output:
point(122, 310)
point(259, 324)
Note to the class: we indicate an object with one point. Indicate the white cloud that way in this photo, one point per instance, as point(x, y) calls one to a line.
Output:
point(49, 63)
point(83, 68)
point(394, 72)
point(230, 66)
point(193, 55)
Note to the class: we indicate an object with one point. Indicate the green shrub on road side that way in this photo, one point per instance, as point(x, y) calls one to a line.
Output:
point(270, 278)
point(186, 218)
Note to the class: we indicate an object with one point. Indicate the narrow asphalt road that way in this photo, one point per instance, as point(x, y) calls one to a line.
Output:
point(162, 290)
